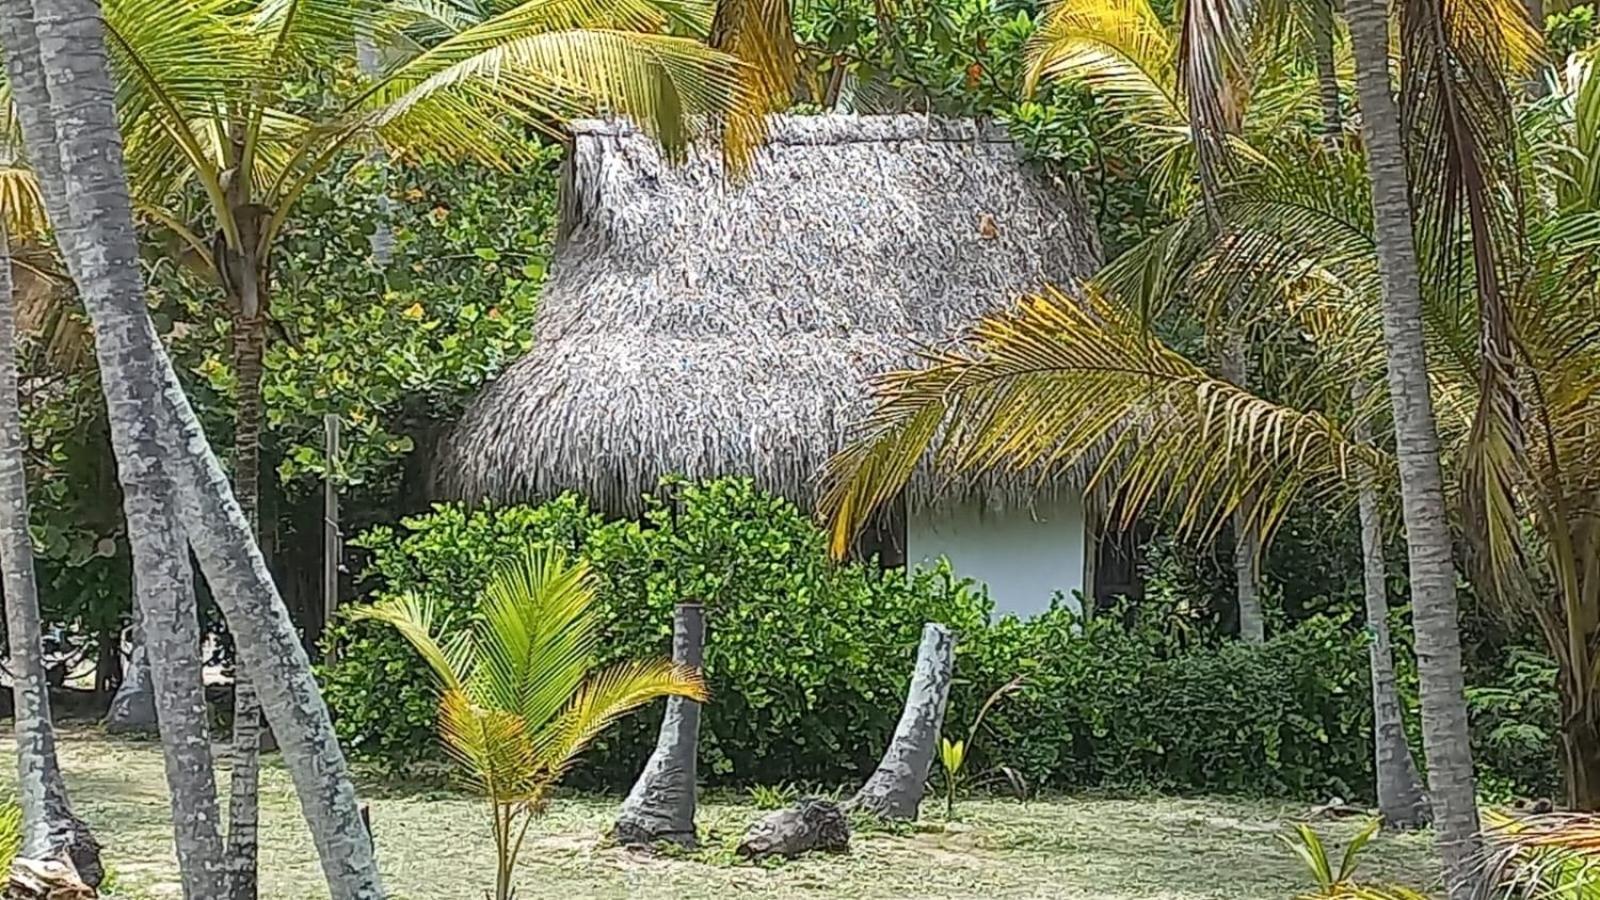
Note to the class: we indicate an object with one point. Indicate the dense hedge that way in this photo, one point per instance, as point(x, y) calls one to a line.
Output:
point(808, 660)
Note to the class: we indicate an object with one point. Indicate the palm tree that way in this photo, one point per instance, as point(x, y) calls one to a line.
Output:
point(49, 826)
point(58, 70)
point(520, 694)
point(1126, 54)
point(219, 151)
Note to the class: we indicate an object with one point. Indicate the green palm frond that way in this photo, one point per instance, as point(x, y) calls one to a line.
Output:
point(1061, 382)
point(609, 695)
point(452, 661)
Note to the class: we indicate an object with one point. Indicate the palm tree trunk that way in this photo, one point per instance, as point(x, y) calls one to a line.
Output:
point(1400, 801)
point(158, 440)
point(244, 786)
point(1327, 80)
point(133, 708)
point(49, 826)
point(661, 805)
point(56, 81)
point(1246, 541)
point(1435, 614)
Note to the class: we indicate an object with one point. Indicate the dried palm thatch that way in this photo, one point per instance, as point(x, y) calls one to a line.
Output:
point(699, 326)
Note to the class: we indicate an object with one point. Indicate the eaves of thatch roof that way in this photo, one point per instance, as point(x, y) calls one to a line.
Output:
point(703, 326)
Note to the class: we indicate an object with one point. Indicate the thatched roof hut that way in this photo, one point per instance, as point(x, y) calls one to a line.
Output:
point(700, 326)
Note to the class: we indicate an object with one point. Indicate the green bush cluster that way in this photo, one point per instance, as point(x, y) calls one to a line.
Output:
point(808, 660)
point(1118, 701)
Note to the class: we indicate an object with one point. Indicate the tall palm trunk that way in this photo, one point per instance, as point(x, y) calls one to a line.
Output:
point(162, 576)
point(1400, 800)
point(244, 787)
point(49, 826)
point(1435, 614)
point(158, 440)
point(1327, 79)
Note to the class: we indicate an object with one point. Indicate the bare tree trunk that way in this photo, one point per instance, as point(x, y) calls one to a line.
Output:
point(152, 423)
point(662, 803)
point(895, 790)
point(133, 708)
point(64, 104)
point(1435, 614)
point(49, 826)
point(1400, 800)
point(244, 785)
point(1246, 541)
point(1327, 79)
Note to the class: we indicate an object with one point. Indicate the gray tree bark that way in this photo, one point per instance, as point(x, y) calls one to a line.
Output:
point(810, 824)
point(1435, 614)
point(49, 826)
point(155, 433)
point(895, 789)
point(55, 61)
point(133, 708)
point(1400, 800)
point(662, 803)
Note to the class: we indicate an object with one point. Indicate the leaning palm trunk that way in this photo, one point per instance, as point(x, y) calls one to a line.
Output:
point(49, 827)
point(662, 803)
point(244, 787)
point(158, 441)
point(162, 577)
point(1400, 800)
point(1432, 568)
point(894, 790)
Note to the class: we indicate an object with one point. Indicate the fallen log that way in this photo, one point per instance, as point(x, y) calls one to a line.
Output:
point(46, 879)
point(810, 824)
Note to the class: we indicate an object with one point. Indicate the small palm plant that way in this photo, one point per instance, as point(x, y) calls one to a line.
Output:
point(953, 754)
point(1340, 883)
point(520, 694)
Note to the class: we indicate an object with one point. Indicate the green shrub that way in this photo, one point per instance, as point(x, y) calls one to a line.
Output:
point(1106, 704)
point(808, 660)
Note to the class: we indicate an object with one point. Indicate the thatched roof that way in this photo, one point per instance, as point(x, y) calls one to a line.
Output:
point(704, 327)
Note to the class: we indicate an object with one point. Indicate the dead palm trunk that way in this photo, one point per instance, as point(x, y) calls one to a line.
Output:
point(158, 441)
point(661, 805)
point(49, 826)
point(1432, 568)
point(894, 791)
point(162, 574)
point(1400, 800)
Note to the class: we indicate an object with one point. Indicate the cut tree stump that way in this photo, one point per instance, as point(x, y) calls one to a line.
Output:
point(46, 879)
point(895, 789)
point(661, 805)
point(810, 824)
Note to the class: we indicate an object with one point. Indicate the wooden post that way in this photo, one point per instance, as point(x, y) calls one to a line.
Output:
point(332, 546)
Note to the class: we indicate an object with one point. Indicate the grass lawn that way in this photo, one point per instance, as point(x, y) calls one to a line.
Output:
point(434, 845)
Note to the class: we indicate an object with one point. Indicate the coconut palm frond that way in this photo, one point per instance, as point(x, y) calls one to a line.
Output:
point(1061, 381)
point(1119, 48)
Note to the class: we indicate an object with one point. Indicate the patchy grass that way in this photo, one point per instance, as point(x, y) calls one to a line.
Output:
point(434, 845)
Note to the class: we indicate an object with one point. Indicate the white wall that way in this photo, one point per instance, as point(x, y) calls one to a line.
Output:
point(1024, 556)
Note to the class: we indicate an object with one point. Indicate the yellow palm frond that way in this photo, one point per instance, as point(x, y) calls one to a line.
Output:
point(610, 695)
point(494, 749)
point(452, 661)
point(440, 99)
point(1119, 48)
point(1061, 381)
